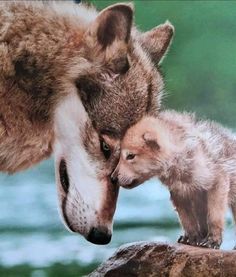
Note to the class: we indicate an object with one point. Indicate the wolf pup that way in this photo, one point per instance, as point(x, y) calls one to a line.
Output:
point(68, 75)
point(188, 156)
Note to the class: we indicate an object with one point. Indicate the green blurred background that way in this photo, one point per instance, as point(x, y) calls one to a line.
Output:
point(199, 72)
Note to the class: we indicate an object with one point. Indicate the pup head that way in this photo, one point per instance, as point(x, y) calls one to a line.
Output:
point(109, 86)
point(145, 149)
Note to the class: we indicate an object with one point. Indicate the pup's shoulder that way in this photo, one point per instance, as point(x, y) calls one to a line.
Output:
point(184, 119)
point(195, 125)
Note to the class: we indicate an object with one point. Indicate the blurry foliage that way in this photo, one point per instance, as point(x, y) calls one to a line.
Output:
point(201, 64)
point(56, 270)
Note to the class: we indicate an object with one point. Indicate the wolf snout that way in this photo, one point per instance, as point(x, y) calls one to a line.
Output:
point(99, 236)
point(134, 183)
point(123, 182)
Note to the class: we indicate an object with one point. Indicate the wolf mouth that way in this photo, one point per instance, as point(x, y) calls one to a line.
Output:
point(64, 178)
point(131, 185)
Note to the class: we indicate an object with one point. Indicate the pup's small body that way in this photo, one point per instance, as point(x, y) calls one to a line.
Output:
point(196, 160)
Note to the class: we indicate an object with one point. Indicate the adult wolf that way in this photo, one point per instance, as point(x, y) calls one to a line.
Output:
point(71, 82)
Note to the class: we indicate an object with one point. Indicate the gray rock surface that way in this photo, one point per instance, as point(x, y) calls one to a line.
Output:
point(161, 259)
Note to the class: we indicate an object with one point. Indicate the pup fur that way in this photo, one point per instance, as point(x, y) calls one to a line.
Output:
point(195, 159)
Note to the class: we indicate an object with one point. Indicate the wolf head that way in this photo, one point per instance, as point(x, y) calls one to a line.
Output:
point(111, 84)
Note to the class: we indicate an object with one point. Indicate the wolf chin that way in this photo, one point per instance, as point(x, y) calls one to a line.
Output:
point(72, 80)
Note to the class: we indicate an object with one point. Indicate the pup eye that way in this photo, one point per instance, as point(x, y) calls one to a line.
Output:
point(130, 156)
point(105, 149)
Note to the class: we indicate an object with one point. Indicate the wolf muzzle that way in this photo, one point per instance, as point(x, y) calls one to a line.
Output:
point(99, 236)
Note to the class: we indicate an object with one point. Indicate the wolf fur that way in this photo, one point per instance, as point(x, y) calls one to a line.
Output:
point(72, 80)
point(195, 159)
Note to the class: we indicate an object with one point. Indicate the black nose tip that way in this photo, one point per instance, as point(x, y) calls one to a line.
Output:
point(114, 180)
point(97, 236)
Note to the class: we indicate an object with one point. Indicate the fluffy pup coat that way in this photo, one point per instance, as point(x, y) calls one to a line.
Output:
point(189, 156)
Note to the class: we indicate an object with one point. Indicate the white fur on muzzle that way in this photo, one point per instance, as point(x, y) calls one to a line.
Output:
point(81, 193)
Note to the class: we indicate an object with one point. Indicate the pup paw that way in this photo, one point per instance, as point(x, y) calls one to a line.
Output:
point(211, 242)
point(190, 240)
point(183, 239)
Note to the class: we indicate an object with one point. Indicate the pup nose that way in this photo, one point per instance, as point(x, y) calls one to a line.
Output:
point(97, 236)
point(114, 179)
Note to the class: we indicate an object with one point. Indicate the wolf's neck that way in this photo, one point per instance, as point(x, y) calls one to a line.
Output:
point(23, 143)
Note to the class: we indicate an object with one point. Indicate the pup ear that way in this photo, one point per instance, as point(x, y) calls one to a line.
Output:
point(157, 41)
point(111, 33)
point(151, 140)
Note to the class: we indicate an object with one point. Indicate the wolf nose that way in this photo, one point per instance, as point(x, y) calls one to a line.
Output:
point(97, 236)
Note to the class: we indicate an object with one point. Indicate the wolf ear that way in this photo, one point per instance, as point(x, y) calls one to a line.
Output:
point(114, 23)
point(151, 140)
point(157, 41)
point(111, 31)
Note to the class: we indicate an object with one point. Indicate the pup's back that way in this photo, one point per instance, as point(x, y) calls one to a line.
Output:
point(218, 142)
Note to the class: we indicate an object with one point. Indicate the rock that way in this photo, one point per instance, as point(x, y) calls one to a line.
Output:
point(162, 259)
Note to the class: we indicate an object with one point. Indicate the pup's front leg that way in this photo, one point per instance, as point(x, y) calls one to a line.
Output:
point(217, 204)
point(233, 208)
point(192, 211)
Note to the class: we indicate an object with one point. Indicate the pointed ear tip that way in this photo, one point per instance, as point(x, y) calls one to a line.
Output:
point(166, 28)
point(127, 9)
point(128, 6)
point(170, 26)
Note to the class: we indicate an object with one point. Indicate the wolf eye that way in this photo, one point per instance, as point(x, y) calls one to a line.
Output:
point(130, 156)
point(105, 149)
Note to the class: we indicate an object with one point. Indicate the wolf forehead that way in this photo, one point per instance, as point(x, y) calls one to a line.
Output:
point(115, 101)
point(119, 100)
point(113, 107)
